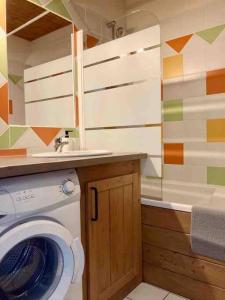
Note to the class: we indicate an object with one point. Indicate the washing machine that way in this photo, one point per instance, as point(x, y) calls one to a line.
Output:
point(41, 255)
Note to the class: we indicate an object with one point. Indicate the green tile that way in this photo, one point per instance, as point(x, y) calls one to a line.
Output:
point(58, 7)
point(5, 140)
point(173, 110)
point(16, 133)
point(211, 34)
point(216, 175)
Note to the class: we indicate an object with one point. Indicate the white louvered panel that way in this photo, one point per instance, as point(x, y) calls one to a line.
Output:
point(142, 139)
point(50, 68)
point(51, 87)
point(124, 105)
point(147, 139)
point(132, 68)
point(52, 113)
point(142, 39)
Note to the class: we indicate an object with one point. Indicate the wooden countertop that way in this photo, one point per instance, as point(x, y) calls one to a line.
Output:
point(16, 166)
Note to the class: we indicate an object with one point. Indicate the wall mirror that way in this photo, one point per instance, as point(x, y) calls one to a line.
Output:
point(40, 66)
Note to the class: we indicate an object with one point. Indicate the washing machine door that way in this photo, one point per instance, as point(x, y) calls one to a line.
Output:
point(38, 261)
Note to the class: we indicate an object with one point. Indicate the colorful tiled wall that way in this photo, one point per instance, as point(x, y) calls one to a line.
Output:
point(193, 106)
point(22, 140)
point(194, 115)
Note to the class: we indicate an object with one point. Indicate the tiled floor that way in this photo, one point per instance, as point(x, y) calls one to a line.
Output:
point(149, 292)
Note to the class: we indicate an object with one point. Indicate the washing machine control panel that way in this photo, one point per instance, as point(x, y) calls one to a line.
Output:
point(37, 192)
point(24, 195)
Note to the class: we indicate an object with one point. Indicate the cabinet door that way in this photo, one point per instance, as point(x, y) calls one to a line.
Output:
point(114, 245)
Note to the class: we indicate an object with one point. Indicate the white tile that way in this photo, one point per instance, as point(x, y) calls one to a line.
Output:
point(185, 193)
point(190, 85)
point(173, 88)
point(215, 12)
point(185, 173)
point(193, 16)
point(3, 126)
point(174, 297)
point(194, 56)
point(147, 292)
point(215, 53)
point(2, 78)
point(151, 187)
point(194, 85)
point(208, 154)
point(204, 107)
point(184, 131)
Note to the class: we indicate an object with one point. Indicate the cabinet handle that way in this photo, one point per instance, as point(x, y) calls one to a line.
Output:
point(95, 218)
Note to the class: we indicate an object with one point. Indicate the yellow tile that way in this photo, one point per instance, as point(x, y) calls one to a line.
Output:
point(172, 66)
point(216, 130)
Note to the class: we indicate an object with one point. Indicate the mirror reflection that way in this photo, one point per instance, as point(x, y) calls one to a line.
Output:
point(39, 66)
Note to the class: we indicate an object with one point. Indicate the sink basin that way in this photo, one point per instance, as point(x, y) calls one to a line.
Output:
point(78, 153)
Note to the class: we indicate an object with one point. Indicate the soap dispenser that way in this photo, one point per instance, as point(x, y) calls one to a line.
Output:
point(67, 141)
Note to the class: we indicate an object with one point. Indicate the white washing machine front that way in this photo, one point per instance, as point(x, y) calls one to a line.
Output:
point(39, 260)
point(41, 256)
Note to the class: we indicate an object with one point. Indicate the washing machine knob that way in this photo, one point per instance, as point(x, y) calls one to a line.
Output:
point(68, 187)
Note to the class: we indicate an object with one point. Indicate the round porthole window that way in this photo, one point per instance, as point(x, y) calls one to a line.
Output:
point(31, 270)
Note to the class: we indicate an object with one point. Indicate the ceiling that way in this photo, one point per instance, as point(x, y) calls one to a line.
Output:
point(20, 12)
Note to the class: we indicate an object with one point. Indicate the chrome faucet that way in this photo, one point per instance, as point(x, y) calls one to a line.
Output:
point(59, 144)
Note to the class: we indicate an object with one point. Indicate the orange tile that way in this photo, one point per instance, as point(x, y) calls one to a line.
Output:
point(13, 152)
point(216, 130)
point(46, 134)
point(4, 103)
point(179, 43)
point(174, 154)
point(215, 82)
point(91, 41)
point(172, 66)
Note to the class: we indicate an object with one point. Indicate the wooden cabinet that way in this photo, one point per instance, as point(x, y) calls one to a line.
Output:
point(113, 236)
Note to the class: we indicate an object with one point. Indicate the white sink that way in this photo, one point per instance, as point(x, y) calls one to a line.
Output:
point(78, 153)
